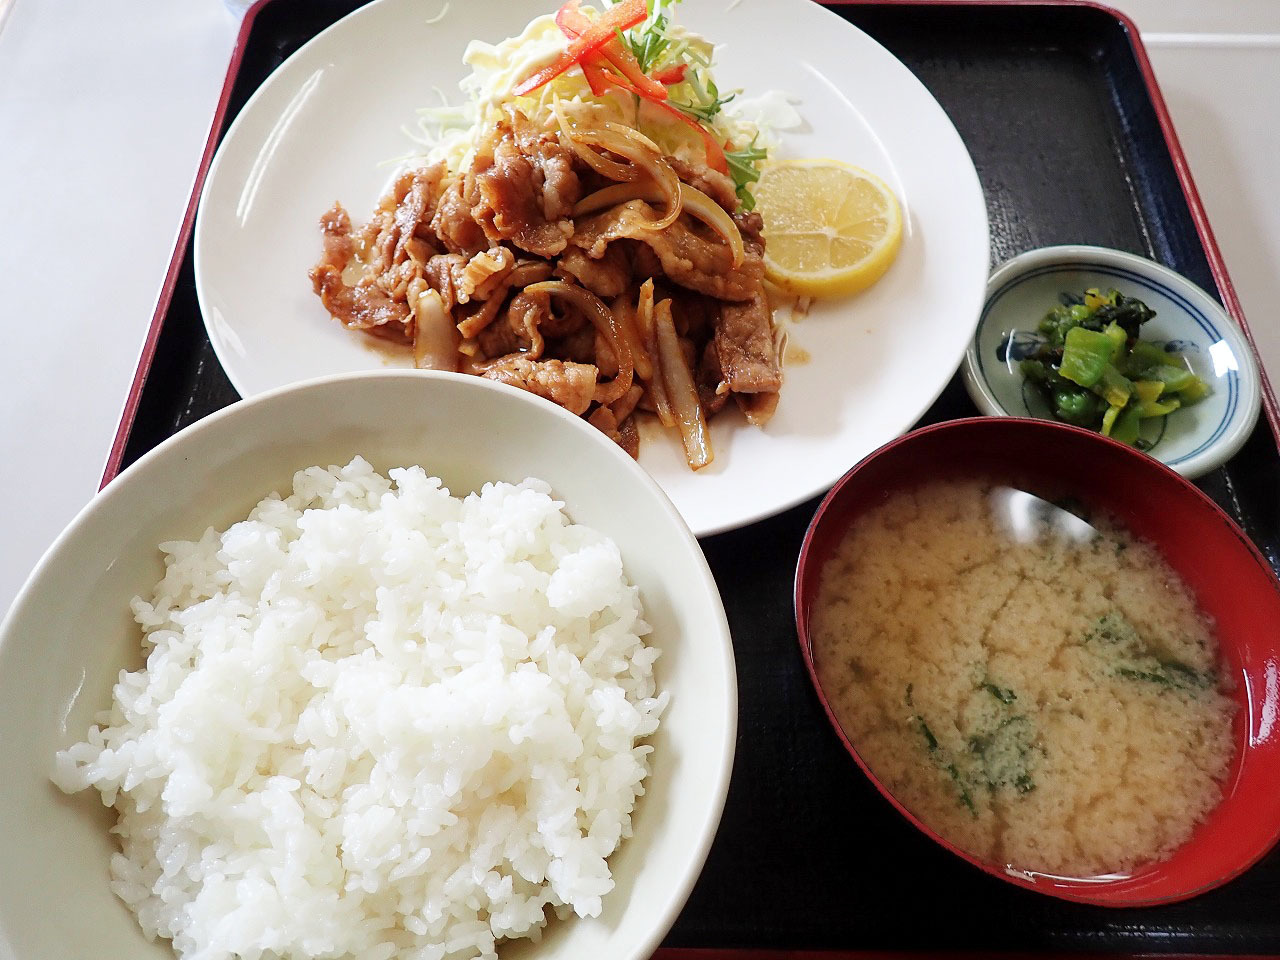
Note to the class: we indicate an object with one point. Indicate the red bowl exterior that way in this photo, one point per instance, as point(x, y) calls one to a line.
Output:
point(1231, 580)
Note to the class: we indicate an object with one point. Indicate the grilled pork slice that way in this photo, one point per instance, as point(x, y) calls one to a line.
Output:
point(453, 223)
point(366, 306)
point(484, 274)
point(690, 253)
point(713, 183)
point(606, 277)
point(744, 344)
point(572, 385)
point(335, 228)
point(758, 407)
point(524, 188)
point(410, 203)
point(444, 273)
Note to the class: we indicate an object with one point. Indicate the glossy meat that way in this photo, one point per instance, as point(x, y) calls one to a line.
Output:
point(744, 343)
point(481, 236)
point(572, 385)
point(688, 252)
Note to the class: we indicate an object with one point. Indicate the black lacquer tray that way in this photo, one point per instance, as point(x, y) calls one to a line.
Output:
point(1058, 107)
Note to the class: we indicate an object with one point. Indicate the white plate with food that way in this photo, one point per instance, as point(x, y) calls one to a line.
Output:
point(825, 380)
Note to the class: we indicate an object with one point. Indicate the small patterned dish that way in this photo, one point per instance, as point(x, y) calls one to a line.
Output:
point(1193, 440)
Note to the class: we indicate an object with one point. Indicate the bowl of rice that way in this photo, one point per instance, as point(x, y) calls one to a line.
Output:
point(1053, 655)
point(395, 664)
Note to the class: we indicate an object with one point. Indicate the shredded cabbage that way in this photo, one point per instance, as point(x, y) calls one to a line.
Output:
point(747, 126)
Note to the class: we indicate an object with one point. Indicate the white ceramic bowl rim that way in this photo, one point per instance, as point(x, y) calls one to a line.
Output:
point(1244, 384)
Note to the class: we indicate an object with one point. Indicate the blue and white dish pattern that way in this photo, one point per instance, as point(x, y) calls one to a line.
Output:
point(1188, 321)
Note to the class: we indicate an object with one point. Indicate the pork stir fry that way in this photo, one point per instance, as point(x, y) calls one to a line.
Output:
point(574, 261)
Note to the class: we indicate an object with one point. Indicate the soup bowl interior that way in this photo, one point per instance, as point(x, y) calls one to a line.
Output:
point(70, 634)
point(1229, 578)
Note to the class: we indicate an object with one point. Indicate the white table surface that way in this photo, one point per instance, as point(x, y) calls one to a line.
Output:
point(105, 106)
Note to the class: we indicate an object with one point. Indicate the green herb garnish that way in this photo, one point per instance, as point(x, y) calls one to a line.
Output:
point(744, 170)
point(1000, 746)
point(1132, 658)
point(1003, 755)
point(930, 740)
point(649, 41)
point(1130, 674)
point(1000, 693)
point(965, 798)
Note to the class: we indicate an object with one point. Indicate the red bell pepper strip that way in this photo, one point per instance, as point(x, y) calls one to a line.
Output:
point(624, 16)
point(597, 76)
point(673, 74)
point(669, 76)
point(570, 19)
point(715, 155)
point(573, 25)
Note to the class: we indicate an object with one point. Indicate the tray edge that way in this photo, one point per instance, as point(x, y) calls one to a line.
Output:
point(165, 298)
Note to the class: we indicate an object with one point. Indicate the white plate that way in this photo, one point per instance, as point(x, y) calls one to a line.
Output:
point(321, 126)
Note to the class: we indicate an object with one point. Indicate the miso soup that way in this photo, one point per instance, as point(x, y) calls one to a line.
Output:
point(1037, 687)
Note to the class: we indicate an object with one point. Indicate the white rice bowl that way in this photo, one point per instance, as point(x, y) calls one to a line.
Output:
point(376, 721)
point(70, 633)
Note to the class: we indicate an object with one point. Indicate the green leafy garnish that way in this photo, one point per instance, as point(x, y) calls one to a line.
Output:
point(1000, 693)
point(744, 170)
point(940, 757)
point(1172, 674)
point(1003, 755)
point(999, 753)
point(965, 798)
point(930, 740)
point(1132, 658)
point(649, 41)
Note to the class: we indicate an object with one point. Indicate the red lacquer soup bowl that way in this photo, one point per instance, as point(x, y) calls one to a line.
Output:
point(1231, 580)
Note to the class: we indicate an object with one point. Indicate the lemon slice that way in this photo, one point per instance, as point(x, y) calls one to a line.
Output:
point(830, 229)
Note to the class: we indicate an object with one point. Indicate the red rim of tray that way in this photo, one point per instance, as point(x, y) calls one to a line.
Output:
point(1217, 265)
point(1130, 890)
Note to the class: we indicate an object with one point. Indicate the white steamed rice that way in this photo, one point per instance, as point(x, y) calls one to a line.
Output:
point(376, 721)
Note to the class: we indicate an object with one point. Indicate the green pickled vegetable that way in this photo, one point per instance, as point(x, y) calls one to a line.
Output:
point(1115, 333)
point(1075, 406)
point(1093, 370)
point(1148, 391)
point(1085, 355)
point(1109, 420)
point(1174, 379)
point(1194, 392)
point(1144, 355)
point(1113, 386)
point(1129, 313)
point(1125, 428)
point(1157, 408)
